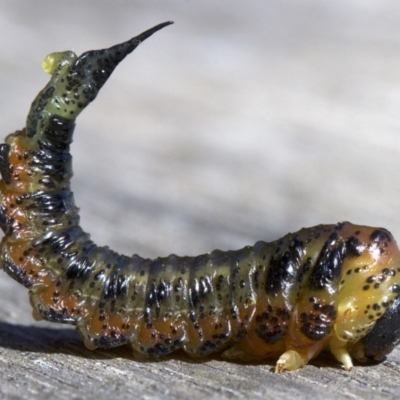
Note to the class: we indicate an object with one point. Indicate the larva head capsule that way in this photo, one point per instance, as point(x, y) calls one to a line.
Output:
point(383, 338)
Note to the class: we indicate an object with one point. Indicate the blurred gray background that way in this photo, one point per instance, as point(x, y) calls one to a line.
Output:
point(243, 121)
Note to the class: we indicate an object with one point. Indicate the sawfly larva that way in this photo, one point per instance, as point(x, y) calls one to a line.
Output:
point(335, 286)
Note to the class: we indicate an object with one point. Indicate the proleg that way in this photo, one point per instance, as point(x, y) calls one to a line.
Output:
point(330, 286)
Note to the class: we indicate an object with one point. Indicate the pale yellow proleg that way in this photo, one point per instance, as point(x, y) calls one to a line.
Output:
point(290, 360)
point(339, 350)
point(298, 357)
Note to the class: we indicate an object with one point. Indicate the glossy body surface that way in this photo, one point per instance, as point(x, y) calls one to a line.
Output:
point(319, 287)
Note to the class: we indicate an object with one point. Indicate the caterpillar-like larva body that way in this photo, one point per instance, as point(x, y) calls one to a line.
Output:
point(334, 286)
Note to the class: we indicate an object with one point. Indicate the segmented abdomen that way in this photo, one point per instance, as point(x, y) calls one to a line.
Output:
point(256, 297)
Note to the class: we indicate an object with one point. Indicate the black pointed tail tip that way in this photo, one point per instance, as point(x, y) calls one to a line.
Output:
point(119, 51)
point(131, 44)
point(110, 57)
point(94, 67)
point(149, 32)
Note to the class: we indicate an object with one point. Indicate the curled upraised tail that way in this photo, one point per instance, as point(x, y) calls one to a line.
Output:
point(330, 285)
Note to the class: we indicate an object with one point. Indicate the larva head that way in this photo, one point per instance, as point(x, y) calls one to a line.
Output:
point(383, 338)
point(76, 81)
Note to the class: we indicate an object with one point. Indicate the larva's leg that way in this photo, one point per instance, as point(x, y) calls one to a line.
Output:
point(293, 359)
point(89, 345)
point(36, 315)
point(339, 350)
point(290, 360)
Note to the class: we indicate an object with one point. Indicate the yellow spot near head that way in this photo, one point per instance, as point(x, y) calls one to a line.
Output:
point(56, 59)
point(48, 64)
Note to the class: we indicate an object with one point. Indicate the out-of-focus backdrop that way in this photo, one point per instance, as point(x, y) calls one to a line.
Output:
point(243, 121)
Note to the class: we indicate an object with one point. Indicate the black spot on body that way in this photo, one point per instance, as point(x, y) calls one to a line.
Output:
point(271, 333)
point(319, 323)
point(328, 266)
point(396, 288)
point(116, 284)
point(5, 168)
point(17, 273)
point(380, 235)
point(283, 269)
point(6, 223)
point(354, 247)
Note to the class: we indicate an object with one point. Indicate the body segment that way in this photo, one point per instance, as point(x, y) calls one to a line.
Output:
point(319, 287)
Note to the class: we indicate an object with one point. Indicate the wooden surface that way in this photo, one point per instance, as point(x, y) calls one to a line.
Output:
point(243, 121)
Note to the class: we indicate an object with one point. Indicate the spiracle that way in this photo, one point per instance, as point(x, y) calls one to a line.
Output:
point(335, 286)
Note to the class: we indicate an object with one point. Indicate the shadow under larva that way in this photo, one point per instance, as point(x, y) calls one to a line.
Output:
point(335, 286)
